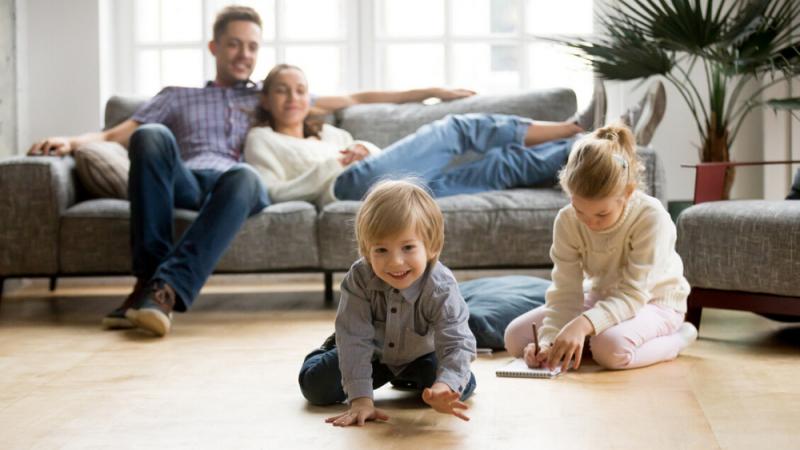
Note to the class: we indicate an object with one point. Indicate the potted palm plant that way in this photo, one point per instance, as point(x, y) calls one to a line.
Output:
point(734, 42)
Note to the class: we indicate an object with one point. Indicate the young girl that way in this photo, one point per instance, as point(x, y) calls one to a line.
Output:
point(623, 241)
point(401, 317)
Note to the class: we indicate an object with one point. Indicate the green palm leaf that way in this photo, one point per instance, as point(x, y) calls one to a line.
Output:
point(679, 25)
point(748, 21)
point(784, 103)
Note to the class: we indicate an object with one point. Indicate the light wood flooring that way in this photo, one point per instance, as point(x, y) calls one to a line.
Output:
point(226, 377)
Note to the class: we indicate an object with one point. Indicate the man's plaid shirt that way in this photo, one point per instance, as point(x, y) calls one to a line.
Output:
point(209, 124)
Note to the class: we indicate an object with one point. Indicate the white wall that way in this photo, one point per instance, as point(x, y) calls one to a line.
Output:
point(59, 60)
point(8, 79)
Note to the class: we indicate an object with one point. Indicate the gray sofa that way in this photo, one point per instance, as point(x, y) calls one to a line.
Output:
point(48, 228)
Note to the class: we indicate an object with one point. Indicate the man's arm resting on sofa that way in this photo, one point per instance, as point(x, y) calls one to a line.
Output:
point(60, 146)
point(328, 104)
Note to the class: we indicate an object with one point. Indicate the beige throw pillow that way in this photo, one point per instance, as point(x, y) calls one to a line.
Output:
point(103, 169)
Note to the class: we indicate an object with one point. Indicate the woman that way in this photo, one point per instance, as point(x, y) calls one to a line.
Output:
point(302, 160)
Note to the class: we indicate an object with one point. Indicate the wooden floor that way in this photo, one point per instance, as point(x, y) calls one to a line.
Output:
point(226, 378)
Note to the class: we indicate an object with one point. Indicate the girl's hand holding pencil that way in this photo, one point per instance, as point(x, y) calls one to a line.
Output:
point(532, 351)
point(568, 346)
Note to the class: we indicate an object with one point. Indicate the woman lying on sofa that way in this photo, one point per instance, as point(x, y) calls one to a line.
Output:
point(302, 160)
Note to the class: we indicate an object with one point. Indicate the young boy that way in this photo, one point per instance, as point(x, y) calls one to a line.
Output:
point(401, 317)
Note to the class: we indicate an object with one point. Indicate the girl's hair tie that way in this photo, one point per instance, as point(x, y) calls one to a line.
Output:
point(622, 161)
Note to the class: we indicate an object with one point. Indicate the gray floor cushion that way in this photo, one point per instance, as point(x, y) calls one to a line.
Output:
point(495, 301)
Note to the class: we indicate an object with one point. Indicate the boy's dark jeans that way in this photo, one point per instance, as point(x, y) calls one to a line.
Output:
point(321, 380)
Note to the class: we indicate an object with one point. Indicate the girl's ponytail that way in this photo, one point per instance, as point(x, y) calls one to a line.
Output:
point(602, 163)
point(624, 139)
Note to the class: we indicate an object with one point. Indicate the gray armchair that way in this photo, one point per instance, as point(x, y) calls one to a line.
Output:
point(741, 255)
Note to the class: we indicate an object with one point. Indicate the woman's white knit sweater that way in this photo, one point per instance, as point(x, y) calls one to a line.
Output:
point(628, 265)
point(299, 169)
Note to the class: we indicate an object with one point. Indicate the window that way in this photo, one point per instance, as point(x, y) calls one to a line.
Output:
point(487, 45)
point(166, 41)
point(344, 45)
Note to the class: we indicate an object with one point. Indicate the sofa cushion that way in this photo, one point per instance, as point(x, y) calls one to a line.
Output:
point(95, 238)
point(383, 124)
point(495, 301)
point(102, 169)
point(743, 245)
point(120, 108)
point(511, 228)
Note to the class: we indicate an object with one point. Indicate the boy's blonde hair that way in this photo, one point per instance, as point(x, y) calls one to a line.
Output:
point(391, 207)
point(602, 164)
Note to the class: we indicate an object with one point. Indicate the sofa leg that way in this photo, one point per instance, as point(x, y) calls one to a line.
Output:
point(53, 283)
point(693, 315)
point(328, 288)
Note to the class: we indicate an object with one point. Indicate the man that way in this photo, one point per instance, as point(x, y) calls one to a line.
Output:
point(185, 146)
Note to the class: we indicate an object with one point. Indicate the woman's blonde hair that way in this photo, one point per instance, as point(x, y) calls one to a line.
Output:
point(602, 164)
point(393, 206)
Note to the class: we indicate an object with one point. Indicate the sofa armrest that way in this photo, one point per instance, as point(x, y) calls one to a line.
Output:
point(34, 191)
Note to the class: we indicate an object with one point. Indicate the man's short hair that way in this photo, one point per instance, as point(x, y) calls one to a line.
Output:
point(393, 206)
point(231, 14)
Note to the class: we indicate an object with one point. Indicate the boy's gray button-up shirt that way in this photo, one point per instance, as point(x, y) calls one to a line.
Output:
point(376, 321)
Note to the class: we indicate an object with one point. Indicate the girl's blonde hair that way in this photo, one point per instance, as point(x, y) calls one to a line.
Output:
point(393, 206)
point(602, 164)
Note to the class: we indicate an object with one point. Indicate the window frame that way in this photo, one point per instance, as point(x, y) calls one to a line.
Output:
point(521, 39)
point(363, 50)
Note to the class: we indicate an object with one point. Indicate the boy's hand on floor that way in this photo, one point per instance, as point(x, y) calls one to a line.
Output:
point(444, 400)
point(361, 410)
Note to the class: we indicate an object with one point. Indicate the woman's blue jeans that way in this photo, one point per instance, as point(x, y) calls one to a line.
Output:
point(159, 182)
point(321, 381)
point(429, 154)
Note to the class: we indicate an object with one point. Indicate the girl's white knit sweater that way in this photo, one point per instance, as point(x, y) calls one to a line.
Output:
point(628, 265)
point(299, 169)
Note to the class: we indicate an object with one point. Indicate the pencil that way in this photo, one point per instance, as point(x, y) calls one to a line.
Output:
point(535, 340)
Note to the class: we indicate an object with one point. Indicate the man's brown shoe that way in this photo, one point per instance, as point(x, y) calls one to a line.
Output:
point(154, 312)
point(116, 320)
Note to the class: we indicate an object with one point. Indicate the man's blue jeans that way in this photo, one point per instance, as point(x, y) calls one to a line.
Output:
point(321, 380)
point(428, 154)
point(159, 182)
